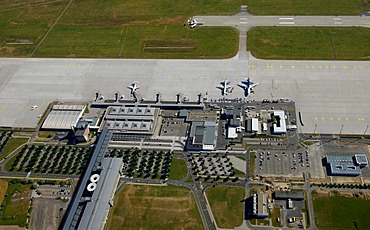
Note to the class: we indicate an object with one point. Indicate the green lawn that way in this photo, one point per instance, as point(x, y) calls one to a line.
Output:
point(323, 43)
point(11, 145)
point(307, 7)
point(338, 212)
point(227, 206)
point(150, 207)
point(116, 29)
point(16, 205)
point(178, 169)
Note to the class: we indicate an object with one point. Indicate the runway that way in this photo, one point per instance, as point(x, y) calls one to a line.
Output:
point(332, 96)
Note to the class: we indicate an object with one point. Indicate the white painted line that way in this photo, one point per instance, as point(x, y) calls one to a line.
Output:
point(243, 22)
point(338, 23)
point(337, 19)
point(286, 23)
point(243, 18)
point(286, 18)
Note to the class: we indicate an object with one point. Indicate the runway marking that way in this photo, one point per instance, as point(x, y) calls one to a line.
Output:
point(142, 66)
point(338, 23)
point(161, 65)
point(286, 18)
point(313, 67)
point(337, 19)
point(320, 67)
point(307, 67)
point(316, 118)
point(323, 118)
point(293, 66)
point(243, 22)
point(243, 18)
point(327, 67)
point(338, 118)
point(238, 66)
point(331, 118)
point(361, 67)
point(280, 66)
point(286, 23)
point(347, 119)
point(361, 119)
point(354, 67)
point(333, 67)
point(345, 67)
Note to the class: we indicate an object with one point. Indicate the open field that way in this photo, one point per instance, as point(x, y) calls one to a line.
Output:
point(227, 206)
point(11, 145)
point(339, 212)
point(307, 7)
point(16, 205)
point(310, 43)
point(3, 188)
point(114, 29)
point(178, 169)
point(145, 207)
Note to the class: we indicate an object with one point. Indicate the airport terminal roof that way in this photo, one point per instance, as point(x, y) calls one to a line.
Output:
point(96, 210)
point(63, 116)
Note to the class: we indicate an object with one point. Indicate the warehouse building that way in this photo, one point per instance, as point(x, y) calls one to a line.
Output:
point(202, 136)
point(280, 126)
point(286, 195)
point(259, 206)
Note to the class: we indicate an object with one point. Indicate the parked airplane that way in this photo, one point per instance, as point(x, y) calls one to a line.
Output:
point(134, 86)
point(193, 23)
point(224, 87)
point(248, 86)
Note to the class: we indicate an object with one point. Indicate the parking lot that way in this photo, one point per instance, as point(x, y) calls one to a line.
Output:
point(282, 163)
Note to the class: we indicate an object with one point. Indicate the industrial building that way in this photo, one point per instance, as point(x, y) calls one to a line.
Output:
point(342, 166)
point(361, 160)
point(286, 195)
point(259, 206)
point(63, 116)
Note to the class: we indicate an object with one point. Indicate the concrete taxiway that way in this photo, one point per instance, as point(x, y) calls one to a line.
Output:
point(332, 96)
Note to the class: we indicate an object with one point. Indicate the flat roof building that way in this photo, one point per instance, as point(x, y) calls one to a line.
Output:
point(202, 135)
point(361, 160)
point(260, 207)
point(285, 195)
point(280, 126)
point(342, 166)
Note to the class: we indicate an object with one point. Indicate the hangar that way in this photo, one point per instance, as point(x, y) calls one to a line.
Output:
point(63, 116)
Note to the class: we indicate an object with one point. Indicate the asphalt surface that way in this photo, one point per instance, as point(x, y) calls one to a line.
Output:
point(244, 20)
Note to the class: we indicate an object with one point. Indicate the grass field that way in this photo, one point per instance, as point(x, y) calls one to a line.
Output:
point(16, 205)
point(11, 145)
point(339, 212)
point(145, 207)
point(226, 205)
point(307, 7)
point(94, 28)
point(178, 169)
point(308, 43)
point(3, 188)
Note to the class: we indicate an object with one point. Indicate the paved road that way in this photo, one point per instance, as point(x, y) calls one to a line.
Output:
point(244, 20)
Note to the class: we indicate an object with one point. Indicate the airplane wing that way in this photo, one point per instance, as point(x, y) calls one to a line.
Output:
point(220, 87)
point(254, 85)
point(244, 86)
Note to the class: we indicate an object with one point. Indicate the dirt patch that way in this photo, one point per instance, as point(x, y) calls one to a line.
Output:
point(12, 227)
point(325, 193)
point(3, 188)
point(46, 213)
point(268, 41)
point(6, 50)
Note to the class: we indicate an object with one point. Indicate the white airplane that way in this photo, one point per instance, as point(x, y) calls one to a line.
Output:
point(224, 87)
point(248, 86)
point(134, 86)
point(34, 107)
point(193, 23)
